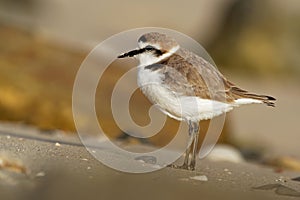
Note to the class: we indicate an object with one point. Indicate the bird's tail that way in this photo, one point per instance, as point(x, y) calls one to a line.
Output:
point(241, 94)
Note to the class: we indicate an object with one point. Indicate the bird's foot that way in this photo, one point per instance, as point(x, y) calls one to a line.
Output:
point(184, 166)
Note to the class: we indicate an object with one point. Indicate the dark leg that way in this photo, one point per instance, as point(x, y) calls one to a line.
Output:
point(191, 149)
point(195, 145)
point(187, 157)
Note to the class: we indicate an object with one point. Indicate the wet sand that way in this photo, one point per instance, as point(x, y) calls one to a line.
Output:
point(42, 166)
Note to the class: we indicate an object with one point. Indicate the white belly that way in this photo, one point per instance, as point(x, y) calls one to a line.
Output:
point(175, 105)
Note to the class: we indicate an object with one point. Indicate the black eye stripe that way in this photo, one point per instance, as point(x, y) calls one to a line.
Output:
point(153, 49)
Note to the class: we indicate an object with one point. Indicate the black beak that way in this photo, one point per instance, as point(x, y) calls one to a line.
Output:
point(139, 51)
point(131, 53)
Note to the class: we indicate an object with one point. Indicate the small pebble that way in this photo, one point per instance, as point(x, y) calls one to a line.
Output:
point(156, 166)
point(281, 179)
point(146, 159)
point(40, 174)
point(88, 168)
point(84, 159)
point(200, 178)
point(57, 144)
point(8, 136)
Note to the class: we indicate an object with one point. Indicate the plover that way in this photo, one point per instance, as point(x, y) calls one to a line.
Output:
point(185, 86)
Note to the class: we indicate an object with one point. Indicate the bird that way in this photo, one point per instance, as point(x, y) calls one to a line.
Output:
point(185, 86)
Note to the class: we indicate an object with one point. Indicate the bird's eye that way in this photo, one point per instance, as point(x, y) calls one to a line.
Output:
point(149, 48)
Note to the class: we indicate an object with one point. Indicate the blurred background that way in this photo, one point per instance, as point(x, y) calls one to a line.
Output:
point(254, 43)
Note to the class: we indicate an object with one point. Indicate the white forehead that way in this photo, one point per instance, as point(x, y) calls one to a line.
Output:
point(142, 44)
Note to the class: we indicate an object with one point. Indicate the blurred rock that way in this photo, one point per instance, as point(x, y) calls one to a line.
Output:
point(285, 162)
point(225, 153)
point(259, 37)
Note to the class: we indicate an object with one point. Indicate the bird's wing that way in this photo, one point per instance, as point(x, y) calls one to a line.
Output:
point(188, 74)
